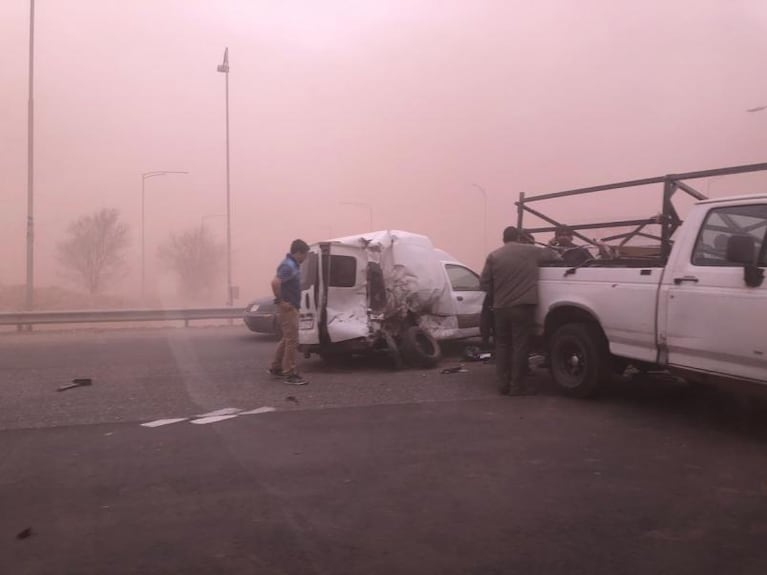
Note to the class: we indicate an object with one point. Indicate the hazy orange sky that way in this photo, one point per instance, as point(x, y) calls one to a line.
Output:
point(400, 105)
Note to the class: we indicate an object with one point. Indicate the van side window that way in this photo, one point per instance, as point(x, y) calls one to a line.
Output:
point(461, 278)
point(723, 223)
point(343, 271)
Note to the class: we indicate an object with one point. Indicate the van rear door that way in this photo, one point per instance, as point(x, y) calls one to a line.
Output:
point(345, 314)
point(311, 292)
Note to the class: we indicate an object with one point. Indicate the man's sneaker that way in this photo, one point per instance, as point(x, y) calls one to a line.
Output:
point(275, 372)
point(295, 379)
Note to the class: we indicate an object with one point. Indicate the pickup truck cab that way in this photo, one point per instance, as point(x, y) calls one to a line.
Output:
point(697, 308)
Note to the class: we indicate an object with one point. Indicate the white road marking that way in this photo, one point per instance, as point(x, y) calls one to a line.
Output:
point(257, 411)
point(159, 422)
point(213, 419)
point(224, 411)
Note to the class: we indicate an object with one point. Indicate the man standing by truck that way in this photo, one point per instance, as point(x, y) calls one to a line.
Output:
point(511, 276)
point(286, 287)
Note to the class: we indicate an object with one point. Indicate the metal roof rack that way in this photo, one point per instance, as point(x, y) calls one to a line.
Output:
point(668, 219)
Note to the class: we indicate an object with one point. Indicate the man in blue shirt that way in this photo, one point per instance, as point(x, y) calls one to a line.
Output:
point(286, 287)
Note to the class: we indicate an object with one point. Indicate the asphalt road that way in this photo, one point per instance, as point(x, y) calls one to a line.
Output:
point(365, 470)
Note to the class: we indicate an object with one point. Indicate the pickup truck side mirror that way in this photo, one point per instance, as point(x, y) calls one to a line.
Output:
point(741, 249)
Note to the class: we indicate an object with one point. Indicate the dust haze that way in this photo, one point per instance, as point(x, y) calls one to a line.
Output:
point(419, 115)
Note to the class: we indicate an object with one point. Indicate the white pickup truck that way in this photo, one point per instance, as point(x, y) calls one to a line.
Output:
point(694, 304)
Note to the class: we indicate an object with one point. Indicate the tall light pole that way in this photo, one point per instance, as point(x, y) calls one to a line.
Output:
point(144, 177)
point(30, 287)
point(362, 205)
point(484, 214)
point(224, 68)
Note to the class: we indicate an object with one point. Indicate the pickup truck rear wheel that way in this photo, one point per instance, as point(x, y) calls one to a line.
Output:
point(579, 359)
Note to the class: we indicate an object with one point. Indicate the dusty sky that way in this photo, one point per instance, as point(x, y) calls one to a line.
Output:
point(400, 105)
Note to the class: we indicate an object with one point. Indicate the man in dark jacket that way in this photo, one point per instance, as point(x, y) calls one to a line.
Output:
point(511, 276)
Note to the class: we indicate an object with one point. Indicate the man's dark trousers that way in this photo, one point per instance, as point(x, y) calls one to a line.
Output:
point(513, 331)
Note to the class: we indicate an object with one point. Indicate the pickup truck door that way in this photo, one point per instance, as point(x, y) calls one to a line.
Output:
point(713, 321)
point(468, 298)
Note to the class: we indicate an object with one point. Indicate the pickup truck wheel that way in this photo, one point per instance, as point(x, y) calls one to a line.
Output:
point(579, 359)
point(419, 347)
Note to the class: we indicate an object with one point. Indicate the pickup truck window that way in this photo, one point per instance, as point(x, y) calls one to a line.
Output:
point(461, 278)
point(723, 223)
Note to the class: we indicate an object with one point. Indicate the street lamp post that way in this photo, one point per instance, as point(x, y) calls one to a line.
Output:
point(484, 213)
point(30, 287)
point(362, 205)
point(224, 68)
point(144, 177)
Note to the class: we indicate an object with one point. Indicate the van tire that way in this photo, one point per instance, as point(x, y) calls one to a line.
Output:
point(580, 359)
point(420, 348)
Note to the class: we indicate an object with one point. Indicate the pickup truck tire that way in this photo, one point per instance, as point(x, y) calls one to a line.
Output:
point(419, 348)
point(579, 359)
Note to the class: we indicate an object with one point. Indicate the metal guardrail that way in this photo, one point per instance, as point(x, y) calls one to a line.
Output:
point(25, 318)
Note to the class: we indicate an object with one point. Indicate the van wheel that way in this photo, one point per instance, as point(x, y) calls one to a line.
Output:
point(419, 347)
point(579, 359)
point(392, 350)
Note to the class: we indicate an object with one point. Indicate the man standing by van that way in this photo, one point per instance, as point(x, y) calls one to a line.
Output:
point(511, 275)
point(286, 287)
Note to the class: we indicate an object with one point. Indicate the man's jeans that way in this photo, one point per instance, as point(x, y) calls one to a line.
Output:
point(513, 330)
point(285, 356)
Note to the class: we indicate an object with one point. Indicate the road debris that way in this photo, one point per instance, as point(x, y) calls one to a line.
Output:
point(456, 369)
point(474, 353)
point(24, 534)
point(77, 382)
point(292, 398)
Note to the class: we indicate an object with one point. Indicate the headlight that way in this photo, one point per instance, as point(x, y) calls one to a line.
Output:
point(254, 307)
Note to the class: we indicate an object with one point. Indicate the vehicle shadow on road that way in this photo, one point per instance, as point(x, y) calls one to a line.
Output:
point(733, 409)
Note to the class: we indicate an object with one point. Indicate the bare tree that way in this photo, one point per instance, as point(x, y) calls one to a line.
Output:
point(195, 258)
point(92, 253)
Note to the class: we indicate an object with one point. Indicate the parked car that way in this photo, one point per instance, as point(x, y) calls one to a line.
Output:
point(261, 317)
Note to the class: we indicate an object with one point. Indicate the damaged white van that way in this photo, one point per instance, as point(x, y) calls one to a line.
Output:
point(387, 291)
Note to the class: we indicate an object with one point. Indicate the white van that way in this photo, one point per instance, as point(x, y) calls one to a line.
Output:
point(389, 291)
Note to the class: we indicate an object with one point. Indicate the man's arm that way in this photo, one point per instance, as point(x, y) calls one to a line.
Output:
point(548, 255)
point(276, 286)
point(486, 278)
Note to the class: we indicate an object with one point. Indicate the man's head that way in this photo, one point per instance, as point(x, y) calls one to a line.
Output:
point(563, 236)
point(299, 249)
point(510, 234)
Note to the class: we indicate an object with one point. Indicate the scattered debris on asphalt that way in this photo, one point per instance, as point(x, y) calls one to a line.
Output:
point(24, 534)
point(456, 369)
point(77, 382)
point(474, 353)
